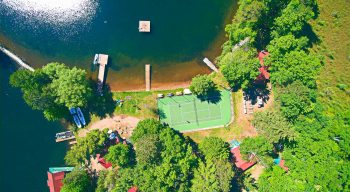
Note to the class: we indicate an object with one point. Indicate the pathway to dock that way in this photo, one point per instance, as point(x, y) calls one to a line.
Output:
point(148, 77)
point(16, 58)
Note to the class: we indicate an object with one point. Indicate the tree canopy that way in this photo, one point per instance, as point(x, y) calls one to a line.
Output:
point(76, 181)
point(119, 155)
point(273, 126)
point(92, 144)
point(240, 68)
point(202, 85)
point(53, 89)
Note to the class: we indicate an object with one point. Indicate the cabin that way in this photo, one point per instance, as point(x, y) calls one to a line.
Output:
point(237, 157)
point(55, 175)
point(54, 181)
point(264, 75)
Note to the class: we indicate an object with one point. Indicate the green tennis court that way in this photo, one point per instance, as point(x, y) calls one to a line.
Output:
point(185, 113)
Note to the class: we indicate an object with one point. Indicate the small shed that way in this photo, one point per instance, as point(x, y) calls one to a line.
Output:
point(144, 26)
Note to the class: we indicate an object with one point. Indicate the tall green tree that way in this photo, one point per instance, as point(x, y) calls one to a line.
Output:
point(215, 148)
point(53, 89)
point(77, 181)
point(92, 144)
point(204, 178)
point(273, 126)
point(202, 85)
point(146, 127)
point(257, 146)
point(119, 155)
point(240, 68)
point(296, 99)
point(148, 149)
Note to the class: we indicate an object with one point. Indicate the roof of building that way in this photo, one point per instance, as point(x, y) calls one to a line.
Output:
point(104, 163)
point(282, 165)
point(261, 56)
point(133, 189)
point(239, 162)
point(55, 181)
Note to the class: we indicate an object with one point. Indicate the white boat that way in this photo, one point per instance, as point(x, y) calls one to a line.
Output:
point(76, 120)
point(73, 112)
point(81, 116)
point(96, 59)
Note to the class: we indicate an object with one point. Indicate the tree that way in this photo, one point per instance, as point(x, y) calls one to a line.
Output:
point(202, 85)
point(146, 127)
point(296, 99)
point(204, 178)
point(214, 148)
point(282, 45)
point(295, 65)
point(119, 155)
point(273, 126)
point(86, 146)
point(71, 87)
point(53, 89)
point(294, 17)
point(76, 181)
point(258, 146)
point(148, 149)
point(275, 179)
point(240, 68)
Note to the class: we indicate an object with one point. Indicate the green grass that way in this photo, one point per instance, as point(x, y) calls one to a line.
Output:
point(332, 26)
point(141, 104)
point(188, 112)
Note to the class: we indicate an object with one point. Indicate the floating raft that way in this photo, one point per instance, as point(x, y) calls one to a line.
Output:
point(148, 77)
point(144, 26)
point(210, 65)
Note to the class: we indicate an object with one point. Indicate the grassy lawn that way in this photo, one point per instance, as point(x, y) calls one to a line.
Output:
point(332, 26)
point(141, 104)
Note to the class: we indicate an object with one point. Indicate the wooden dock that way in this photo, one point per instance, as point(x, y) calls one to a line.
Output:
point(102, 61)
point(148, 77)
point(65, 139)
point(16, 59)
point(210, 64)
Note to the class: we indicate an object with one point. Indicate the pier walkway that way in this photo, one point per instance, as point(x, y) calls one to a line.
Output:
point(148, 77)
point(102, 61)
point(210, 64)
point(16, 58)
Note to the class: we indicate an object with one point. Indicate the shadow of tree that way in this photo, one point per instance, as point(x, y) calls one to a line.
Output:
point(214, 96)
point(161, 114)
point(104, 105)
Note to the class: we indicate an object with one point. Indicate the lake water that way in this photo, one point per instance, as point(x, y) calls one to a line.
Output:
point(183, 32)
point(27, 140)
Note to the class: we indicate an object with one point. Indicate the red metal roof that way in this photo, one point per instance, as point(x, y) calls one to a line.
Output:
point(282, 165)
point(55, 181)
point(104, 163)
point(133, 189)
point(239, 162)
point(261, 56)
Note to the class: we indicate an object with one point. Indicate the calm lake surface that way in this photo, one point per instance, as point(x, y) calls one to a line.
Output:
point(27, 140)
point(183, 32)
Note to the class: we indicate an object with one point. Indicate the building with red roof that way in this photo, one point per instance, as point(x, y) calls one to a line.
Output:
point(55, 181)
point(239, 162)
point(133, 189)
point(103, 162)
point(264, 74)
